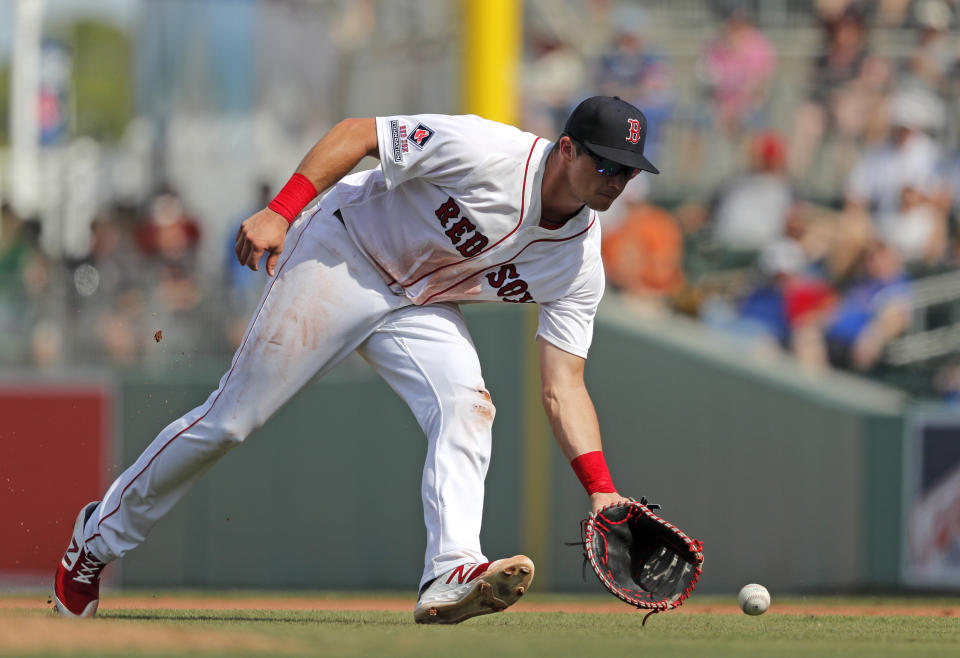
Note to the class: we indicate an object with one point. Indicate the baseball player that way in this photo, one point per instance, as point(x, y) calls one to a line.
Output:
point(460, 209)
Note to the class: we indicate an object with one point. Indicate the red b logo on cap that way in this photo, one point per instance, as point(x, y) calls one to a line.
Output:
point(634, 135)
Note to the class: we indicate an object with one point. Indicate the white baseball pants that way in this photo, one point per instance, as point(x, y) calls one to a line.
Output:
point(325, 301)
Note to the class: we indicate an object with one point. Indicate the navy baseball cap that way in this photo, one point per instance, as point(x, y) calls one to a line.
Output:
point(612, 128)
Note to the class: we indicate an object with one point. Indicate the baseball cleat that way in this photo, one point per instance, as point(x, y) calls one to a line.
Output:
point(77, 584)
point(472, 589)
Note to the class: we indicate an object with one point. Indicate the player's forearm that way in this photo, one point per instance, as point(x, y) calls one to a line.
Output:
point(339, 151)
point(574, 422)
point(330, 159)
point(573, 419)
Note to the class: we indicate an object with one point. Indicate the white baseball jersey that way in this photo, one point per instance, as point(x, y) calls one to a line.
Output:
point(452, 214)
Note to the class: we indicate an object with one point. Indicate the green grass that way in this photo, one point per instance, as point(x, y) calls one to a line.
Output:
point(376, 633)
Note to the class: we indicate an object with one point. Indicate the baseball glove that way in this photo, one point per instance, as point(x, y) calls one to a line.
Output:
point(642, 559)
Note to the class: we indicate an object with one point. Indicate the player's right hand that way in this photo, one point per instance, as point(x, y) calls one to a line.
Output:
point(262, 232)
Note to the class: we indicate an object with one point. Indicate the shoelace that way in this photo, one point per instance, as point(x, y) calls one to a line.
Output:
point(89, 570)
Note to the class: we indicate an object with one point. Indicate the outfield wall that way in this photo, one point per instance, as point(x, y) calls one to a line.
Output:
point(786, 477)
point(791, 480)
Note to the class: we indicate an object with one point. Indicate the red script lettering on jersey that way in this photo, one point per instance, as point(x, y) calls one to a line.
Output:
point(463, 233)
point(508, 285)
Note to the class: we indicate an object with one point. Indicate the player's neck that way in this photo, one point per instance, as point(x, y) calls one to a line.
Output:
point(557, 202)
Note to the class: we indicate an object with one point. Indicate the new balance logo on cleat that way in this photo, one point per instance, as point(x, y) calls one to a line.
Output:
point(464, 571)
point(73, 552)
point(473, 589)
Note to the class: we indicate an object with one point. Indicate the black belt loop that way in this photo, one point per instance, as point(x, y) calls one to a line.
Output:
point(339, 215)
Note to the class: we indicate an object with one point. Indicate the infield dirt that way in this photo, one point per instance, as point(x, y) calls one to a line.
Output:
point(712, 605)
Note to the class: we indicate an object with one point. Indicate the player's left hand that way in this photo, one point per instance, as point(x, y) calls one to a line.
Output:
point(641, 558)
point(263, 232)
point(601, 500)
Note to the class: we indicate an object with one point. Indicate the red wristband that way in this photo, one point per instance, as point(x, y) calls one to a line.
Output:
point(591, 469)
point(294, 197)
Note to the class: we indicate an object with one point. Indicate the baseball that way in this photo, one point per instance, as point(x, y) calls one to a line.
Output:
point(754, 599)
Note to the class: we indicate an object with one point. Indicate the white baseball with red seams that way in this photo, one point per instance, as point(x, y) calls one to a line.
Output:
point(451, 215)
point(754, 599)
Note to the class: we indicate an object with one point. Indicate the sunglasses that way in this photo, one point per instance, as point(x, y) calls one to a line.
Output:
point(608, 167)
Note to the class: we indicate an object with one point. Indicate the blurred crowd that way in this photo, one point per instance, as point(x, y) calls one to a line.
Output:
point(140, 285)
point(797, 226)
point(834, 211)
point(138, 278)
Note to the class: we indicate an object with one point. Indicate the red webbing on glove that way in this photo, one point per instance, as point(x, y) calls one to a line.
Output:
point(294, 197)
point(591, 469)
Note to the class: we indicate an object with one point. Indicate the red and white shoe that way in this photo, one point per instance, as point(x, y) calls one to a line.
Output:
point(472, 589)
point(77, 584)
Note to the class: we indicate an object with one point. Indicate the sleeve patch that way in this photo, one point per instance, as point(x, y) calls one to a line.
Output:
point(420, 136)
point(398, 137)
